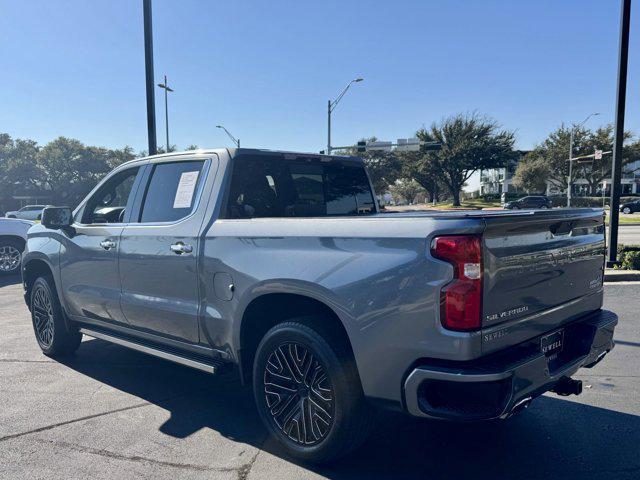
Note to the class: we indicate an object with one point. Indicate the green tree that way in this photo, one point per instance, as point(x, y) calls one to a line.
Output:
point(120, 155)
point(469, 143)
point(70, 169)
point(531, 175)
point(406, 189)
point(595, 171)
point(553, 151)
point(424, 170)
point(18, 168)
point(384, 167)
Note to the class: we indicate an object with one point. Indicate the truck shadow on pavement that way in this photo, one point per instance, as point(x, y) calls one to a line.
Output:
point(6, 280)
point(554, 438)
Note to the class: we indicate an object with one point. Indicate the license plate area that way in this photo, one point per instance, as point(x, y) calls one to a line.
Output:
point(552, 344)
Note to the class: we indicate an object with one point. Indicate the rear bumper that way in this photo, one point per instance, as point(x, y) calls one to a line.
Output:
point(494, 386)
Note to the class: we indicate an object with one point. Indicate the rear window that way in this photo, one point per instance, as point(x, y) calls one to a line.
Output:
point(278, 187)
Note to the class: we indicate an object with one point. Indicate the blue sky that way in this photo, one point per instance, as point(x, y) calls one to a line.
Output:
point(266, 69)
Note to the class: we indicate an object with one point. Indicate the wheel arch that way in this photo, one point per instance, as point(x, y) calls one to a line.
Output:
point(16, 238)
point(282, 307)
point(33, 268)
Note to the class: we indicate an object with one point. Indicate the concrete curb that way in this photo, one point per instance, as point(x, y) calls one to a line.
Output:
point(611, 275)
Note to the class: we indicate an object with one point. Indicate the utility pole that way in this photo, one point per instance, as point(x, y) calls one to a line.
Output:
point(328, 127)
point(166, 88)
point(621, 96)
point(148, 66)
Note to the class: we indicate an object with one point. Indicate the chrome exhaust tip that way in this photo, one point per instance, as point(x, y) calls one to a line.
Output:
point(567, 386)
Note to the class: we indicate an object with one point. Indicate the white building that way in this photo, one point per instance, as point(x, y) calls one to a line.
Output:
point(499, 180)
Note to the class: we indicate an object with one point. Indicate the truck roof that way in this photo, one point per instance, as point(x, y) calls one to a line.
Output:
point(233, 152)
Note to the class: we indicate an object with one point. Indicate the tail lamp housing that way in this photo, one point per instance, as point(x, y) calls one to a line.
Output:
point(461, 299)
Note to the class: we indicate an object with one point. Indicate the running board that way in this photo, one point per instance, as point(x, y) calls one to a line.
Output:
point(209, 365)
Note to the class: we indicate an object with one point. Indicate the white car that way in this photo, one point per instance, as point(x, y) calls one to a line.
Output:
point(13, 236)
point(29, 212)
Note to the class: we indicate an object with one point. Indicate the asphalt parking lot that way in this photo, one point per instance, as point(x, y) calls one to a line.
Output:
point(111, 413)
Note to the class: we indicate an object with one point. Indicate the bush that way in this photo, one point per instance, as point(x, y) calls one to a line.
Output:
point(630, 260)
point(629, 257)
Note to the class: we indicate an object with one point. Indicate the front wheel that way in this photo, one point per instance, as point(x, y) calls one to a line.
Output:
point(626, 210)
point(53, 334)
point(543, 207)
point(308, 393)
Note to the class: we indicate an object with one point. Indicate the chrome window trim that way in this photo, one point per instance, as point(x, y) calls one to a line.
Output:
point(205, 175)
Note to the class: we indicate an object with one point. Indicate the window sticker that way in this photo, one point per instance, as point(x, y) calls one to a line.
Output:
point(186, 187)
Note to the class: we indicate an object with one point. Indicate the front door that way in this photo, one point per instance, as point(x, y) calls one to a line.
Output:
point(159, 250)
point(89, 255)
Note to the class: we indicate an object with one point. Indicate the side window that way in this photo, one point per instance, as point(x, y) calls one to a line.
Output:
point(172, 191)
point(108, 204)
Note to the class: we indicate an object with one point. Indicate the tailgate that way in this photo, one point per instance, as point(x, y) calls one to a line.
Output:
point(541, 269)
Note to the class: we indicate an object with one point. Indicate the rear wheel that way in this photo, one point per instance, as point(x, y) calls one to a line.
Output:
point(543, 207)
point(308, 393)
point(53, 334)
point(10, 256)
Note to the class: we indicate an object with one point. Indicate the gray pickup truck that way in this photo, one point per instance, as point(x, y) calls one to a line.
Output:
point(282, 265)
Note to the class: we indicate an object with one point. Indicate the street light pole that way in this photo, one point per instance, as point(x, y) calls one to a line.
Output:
point(166, 88)
point(573, 129)
point(235, 140)
point(623, 58)
point(329, 127)
point(331, 105)
point(148, 67)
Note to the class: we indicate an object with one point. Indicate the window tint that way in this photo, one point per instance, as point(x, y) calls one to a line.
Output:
point(108, 204)
point(276, 187)
point(171, 192)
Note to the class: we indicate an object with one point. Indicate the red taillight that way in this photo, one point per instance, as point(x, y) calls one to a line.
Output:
point(461, 299)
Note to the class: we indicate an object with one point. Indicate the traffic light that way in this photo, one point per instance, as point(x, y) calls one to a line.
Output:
point(362, 147)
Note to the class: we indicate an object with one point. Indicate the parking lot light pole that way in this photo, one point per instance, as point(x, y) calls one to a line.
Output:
point(166, 88)
point(331, 105)
point(621, 96)
point(236, 141)
point(573, 130)
point(148, 67)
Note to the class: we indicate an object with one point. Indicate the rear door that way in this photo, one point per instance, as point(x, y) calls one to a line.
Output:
point(541, 269)
point(159, 249)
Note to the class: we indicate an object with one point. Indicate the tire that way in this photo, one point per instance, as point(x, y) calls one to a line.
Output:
point(626, 210)
point(515, 207)
point(543, 207)
point(10, 256)
point(52, 333)
point(323, 415)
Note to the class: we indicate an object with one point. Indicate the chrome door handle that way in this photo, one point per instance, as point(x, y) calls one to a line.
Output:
point(180, 248)
point(107, 244)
